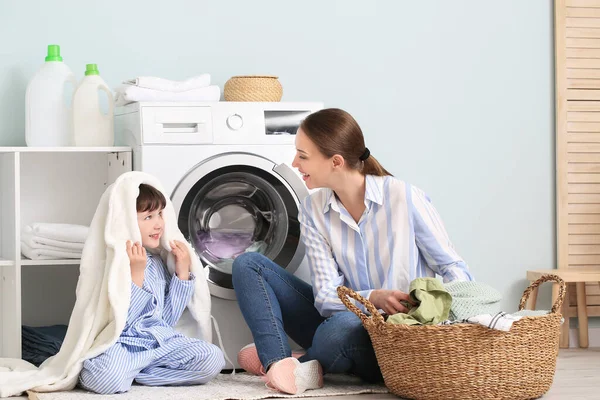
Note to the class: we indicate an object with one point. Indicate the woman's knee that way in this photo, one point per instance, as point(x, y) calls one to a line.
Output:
point(247, 262)
point(250, 263)
point(343, 329)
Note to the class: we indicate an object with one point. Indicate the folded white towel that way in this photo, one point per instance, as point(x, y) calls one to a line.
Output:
point(500, 321)
point(47, 254)
point(65, 232)
point(151, 82)
point(126, 94)
point(104, 290)
point(40, 242)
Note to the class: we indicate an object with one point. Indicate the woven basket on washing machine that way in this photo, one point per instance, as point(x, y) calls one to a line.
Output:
point(253, 88)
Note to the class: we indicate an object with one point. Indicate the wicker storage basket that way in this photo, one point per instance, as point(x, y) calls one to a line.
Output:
point(253, 88)
point(465, 361)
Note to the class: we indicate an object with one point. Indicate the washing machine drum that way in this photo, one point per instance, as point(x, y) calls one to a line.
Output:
point(236, 213)
point(234, 210)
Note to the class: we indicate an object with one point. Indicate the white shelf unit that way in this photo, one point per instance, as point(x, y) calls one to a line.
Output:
point(56, 185)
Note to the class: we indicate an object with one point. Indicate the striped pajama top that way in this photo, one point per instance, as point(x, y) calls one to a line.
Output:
point(156, 306)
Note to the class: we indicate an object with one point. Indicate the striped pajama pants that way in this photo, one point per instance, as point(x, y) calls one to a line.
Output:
point(178, 361)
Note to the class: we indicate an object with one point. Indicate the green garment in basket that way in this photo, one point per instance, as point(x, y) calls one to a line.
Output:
point(471, 298)
point(433, 304)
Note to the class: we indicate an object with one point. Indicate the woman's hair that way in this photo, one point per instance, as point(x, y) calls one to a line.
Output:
point(334, 131)
point(150, 199)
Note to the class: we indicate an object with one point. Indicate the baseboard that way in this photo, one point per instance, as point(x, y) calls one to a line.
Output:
point(593, 337)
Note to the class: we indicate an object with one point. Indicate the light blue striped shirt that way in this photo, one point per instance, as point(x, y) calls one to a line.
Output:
point(399, 237)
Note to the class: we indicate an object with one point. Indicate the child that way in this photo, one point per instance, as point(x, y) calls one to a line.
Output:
point(149, 350)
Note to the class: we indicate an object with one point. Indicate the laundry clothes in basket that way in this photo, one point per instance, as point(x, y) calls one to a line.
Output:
point(465, 361)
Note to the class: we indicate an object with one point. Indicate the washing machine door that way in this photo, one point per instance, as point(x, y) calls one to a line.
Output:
point(240, 202)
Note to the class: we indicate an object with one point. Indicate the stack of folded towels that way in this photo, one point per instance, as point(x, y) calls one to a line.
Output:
point(44, 241)
point(149, 88)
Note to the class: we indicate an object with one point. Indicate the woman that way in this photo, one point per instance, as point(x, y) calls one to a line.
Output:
point(365, 230)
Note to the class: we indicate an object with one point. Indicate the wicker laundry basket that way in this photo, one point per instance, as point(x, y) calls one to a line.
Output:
point(253, 88)
point(465, 361)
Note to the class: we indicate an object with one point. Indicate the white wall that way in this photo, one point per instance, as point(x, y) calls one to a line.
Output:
point(455, 97)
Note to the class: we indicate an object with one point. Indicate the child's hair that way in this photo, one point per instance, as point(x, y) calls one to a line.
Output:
point(150, 199)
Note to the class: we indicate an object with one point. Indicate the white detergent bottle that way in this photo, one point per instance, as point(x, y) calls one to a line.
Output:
point(91, 126)
point(47, 116)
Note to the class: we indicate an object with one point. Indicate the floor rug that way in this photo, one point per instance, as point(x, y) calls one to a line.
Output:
point(224, 387)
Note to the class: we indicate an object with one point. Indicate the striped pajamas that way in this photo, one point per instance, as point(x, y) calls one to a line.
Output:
point(149, 349)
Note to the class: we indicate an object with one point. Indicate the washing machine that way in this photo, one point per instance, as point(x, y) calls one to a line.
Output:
point(227, 168)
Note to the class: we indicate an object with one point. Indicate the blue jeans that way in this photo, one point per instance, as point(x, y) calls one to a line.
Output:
point(275, 304)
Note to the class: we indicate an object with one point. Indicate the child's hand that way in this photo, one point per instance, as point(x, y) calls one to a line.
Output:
point(137, 261)
point(182, 259)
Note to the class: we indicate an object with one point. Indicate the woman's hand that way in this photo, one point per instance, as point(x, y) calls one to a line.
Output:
point(137, 261)
point(182, 259)
point(390, 301)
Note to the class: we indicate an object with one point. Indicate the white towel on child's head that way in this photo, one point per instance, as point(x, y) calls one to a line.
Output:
point(151, 82)
point(103, 291)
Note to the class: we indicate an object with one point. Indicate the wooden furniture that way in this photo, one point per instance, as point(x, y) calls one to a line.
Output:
point(577, 277)
point(577, 66)
point(61, 185)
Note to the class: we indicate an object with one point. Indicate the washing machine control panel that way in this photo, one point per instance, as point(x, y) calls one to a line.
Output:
point(258, 123)
point(235, 122)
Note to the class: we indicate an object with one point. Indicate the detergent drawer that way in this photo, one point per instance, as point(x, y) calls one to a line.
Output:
point(176, 125)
